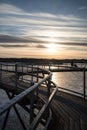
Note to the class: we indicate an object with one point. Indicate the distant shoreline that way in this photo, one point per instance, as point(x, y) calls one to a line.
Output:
point(40, 60)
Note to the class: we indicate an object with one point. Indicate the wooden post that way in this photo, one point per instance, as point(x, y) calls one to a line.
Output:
point(84, 92)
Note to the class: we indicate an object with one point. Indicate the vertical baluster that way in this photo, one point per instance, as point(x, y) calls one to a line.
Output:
point(48, 94)
point(0, 72)
point(16, 76)
point(32, 74)
point(22, 72)
point(37, 74)
point(37, 81)
point(84, 84)
point(48, 88)
point(32, 107)
point(49, 66)
point(27, 68)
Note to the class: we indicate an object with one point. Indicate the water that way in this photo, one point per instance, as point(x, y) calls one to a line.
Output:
point(70, 80)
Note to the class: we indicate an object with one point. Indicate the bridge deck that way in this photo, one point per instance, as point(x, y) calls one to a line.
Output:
point(69, 112)
point(8, 84)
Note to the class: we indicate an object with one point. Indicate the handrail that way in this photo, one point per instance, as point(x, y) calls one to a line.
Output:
point(31, 90)
point(72, 91)
point(67, 68)
point(44, 108)
point(45, 77)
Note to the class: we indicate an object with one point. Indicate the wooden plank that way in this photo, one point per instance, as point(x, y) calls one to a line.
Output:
point(72, 124)
point(77, 125)
point(66, 124)
point(83, 124)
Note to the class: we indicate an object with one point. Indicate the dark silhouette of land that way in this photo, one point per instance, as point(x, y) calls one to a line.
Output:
point(43, 61)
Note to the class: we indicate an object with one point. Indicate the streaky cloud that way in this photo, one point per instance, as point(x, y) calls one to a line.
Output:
point(73, 44)
point(21, 39)
point(40, 46)
point(13, 46)
point(83, 8)
point(16, 20)
point(9, 9)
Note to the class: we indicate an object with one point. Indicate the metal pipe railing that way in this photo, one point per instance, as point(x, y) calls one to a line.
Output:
point(37, 71)
point(42, 111)
point(30, 91)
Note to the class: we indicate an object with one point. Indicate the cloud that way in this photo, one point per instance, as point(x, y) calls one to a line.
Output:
point(61, 20)
point(13, 10)
point(13, 39)
point(9, 9)
point(76, 48)
point(13, 45)
point(30, 26)
point(7, 38)
point(75, 44)
point(40, 46)
point(16, 21)
point(83, 8)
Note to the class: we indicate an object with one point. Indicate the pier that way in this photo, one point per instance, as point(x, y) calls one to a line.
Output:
point(26, 95)
point(46, 105)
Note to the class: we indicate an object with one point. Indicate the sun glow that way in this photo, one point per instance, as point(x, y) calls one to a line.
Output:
point(52, 37)
point(52, 48)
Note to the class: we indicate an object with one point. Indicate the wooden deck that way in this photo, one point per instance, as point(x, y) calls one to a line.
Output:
point(69, 112)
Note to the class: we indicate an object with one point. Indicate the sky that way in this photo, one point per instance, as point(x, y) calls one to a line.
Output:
point(43, 29)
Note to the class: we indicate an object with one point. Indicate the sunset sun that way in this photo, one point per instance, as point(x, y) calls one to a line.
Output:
point(52, 47)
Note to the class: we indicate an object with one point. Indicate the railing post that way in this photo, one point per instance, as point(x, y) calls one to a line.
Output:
point(7, 67)
point(16, 75)
point(49, 66)
point(0, 72)
point(37, 81)
point(22, 72)
point(27, 68)
point(84, 92)
point(37, 74)
point(48, 87)
point(32, 107)
point(32, 73)
point(48, 95)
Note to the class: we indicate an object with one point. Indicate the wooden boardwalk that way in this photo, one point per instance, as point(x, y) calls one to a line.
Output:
point(69, 112)
point(24, 95)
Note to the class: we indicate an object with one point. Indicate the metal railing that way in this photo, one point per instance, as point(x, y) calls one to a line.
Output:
point(82, 94)
point(38, 77)
point(68, 68)
point(30, 69)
